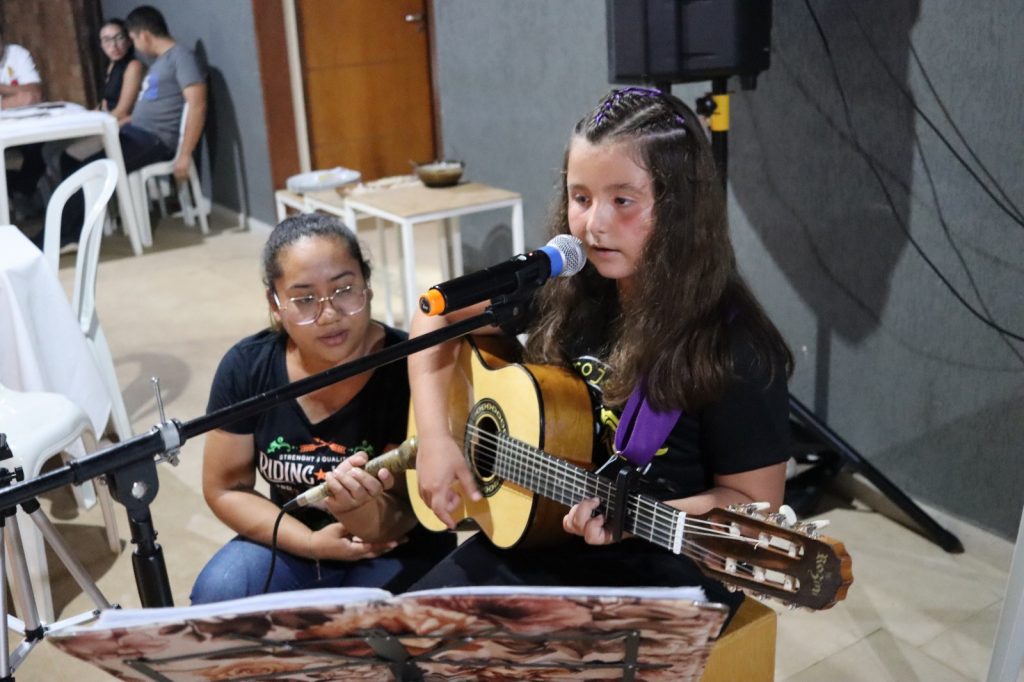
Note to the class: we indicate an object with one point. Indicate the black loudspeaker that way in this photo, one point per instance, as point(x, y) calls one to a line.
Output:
point(679, 41)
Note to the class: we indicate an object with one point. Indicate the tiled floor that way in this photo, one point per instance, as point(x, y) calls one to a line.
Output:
point(914, 612)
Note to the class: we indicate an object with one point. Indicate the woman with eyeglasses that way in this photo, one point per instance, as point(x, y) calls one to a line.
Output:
point(123, 77)
point(318, 290)
point(122, 81)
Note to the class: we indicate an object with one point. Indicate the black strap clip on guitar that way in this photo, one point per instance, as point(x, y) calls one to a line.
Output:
point(625, 484)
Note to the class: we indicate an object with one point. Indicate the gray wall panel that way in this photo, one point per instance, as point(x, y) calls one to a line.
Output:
point(900, 369)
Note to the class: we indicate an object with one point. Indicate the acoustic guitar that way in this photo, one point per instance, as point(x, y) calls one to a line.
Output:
point(528, 434)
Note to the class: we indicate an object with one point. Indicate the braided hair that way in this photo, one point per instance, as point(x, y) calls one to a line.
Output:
point(689, 300)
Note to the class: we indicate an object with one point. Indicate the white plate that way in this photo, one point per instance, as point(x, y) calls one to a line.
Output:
point(322, 179)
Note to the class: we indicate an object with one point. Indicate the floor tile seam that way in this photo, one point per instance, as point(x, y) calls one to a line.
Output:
point(825, 658)
point(961, 621)
point(920, 650)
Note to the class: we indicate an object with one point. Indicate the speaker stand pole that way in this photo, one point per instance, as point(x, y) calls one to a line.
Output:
point(715, 107)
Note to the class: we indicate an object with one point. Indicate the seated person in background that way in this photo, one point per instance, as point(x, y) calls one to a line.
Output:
point(660, 315)
point(317, 286)
point(118, 91)
point(150, 134)
point(123, 77)
point(20, 85)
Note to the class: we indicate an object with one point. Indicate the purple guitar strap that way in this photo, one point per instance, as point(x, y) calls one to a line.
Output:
point(642, 429)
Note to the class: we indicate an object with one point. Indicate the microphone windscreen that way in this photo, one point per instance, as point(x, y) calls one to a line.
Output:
point(571, 251)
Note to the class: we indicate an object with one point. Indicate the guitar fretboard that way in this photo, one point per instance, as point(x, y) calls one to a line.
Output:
point(566, 483)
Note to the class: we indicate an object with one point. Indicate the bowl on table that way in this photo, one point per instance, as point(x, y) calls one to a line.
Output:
point(444, 173)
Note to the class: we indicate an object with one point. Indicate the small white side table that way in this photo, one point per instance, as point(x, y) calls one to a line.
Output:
point(410, 205)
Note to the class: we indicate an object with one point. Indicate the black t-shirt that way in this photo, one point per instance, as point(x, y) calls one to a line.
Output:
point(746, 429)
point(110, 89)
point(292, 454)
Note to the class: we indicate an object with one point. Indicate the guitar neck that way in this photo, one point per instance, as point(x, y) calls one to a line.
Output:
point(568, 484)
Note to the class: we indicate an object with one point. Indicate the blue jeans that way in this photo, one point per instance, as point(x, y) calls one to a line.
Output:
point(239, 569)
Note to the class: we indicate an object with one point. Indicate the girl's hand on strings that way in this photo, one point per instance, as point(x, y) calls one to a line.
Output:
point(443, 476)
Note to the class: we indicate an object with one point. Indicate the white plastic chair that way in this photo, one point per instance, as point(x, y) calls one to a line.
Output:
point(39, 426)
point(98, 181)
point(193, 203)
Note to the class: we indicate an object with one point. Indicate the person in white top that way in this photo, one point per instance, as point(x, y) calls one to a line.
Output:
point(20, 83)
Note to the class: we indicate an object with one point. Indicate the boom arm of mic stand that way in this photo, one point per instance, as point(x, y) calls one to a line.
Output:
point(131, 465)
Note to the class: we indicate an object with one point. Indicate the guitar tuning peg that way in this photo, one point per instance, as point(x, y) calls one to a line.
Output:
point(752, 509)
point(784, 518)
point(811, 528)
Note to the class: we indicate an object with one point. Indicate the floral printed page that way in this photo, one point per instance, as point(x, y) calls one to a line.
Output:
point(468, 634)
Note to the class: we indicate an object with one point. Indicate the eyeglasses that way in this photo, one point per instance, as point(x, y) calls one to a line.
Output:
point(110, 40)
point(307, 309)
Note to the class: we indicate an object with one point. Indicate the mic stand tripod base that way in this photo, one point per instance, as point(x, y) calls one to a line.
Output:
point(31, 629)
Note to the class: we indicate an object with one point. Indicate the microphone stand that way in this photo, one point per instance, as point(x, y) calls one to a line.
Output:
point(131, 466)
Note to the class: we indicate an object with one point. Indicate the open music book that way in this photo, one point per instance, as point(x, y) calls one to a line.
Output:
point(522, 633)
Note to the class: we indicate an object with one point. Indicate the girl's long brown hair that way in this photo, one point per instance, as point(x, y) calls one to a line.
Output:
point(690, 302)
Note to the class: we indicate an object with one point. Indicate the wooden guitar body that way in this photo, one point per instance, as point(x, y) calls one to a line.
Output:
point(528, 435)
point(549, 408)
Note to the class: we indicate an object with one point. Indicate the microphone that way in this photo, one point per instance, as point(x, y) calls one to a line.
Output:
point(396, 461)
point(561, 257)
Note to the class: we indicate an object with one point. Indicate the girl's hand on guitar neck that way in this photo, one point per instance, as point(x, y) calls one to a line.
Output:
point(584, 519)
point(443, 476)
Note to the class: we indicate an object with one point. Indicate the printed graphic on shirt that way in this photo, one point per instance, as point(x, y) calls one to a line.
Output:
point(150, 87)
point(594, 372)
point(296, 468)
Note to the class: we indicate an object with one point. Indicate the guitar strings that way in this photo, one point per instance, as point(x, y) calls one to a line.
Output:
point(664, 530)
point(555, 465)
point(649, 516)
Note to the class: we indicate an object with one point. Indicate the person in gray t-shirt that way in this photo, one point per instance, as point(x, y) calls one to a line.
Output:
point(161, 99)
point(174, 79)
point(151, 134)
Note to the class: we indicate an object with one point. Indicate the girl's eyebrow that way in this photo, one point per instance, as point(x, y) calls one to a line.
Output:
point(304, 285)
point(623, 185)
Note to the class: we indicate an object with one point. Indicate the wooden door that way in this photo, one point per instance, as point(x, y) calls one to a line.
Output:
point(366, 71)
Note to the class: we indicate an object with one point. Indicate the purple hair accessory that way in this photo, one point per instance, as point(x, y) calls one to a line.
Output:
point(631, 90)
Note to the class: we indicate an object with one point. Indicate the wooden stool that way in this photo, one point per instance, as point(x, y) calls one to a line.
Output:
point(746, 650)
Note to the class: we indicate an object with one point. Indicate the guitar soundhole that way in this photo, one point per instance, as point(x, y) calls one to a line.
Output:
point(484, 447)
point(486, 430)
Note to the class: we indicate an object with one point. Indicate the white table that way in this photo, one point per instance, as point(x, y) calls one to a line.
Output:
point(42, 348)
point(409, 205)
point(27, 125)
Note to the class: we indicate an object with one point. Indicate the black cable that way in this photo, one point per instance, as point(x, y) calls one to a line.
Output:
point(1015, 214)
point(273, 551)
point(885, 190)
point(953, 245)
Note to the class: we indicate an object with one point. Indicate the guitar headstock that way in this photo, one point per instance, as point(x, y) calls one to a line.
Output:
point(770, 554)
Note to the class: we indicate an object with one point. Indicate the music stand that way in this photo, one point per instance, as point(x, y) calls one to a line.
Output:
point(460, 633)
